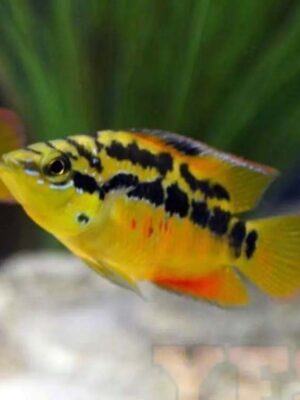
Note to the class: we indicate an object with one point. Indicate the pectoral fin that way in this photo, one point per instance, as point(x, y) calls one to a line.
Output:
point(116, 277)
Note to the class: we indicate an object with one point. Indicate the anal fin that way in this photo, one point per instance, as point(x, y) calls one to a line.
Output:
point(222, 287)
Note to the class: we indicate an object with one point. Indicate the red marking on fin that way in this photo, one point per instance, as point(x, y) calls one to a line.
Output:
point(206, 286)
point(222, 287)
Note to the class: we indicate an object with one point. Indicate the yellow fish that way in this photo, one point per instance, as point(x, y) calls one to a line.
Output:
point(154, 206)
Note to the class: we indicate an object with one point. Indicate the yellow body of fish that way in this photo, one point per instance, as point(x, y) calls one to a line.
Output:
point(158, 207)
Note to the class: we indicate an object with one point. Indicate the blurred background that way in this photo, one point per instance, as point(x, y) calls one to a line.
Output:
point(226, 72)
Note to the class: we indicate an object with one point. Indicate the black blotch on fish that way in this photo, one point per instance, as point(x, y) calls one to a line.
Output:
point(219, 221)
point(87, 184)
point(177, 201)
point(150, 191)
point(209, 190)
point(93, 161)
point(200, 213)
point(163, 162)
point(237, 236)
point(251, 243)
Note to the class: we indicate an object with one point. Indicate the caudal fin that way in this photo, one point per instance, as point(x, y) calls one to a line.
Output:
point(272, 255)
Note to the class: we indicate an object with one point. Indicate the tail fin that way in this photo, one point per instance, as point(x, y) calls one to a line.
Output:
point(273, 259)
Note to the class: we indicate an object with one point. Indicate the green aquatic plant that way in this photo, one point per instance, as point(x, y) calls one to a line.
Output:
point(225, 72)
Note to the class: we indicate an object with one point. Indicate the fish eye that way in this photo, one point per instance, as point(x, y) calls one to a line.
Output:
point(58, 167)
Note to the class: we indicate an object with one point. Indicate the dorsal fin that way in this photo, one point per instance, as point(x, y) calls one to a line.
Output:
point(115, 277)
point(243, 180)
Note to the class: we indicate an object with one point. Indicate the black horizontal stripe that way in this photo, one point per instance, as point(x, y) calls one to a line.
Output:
point(93, 161)
point(146, 191)
point(210, 190)
point(163, 162)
